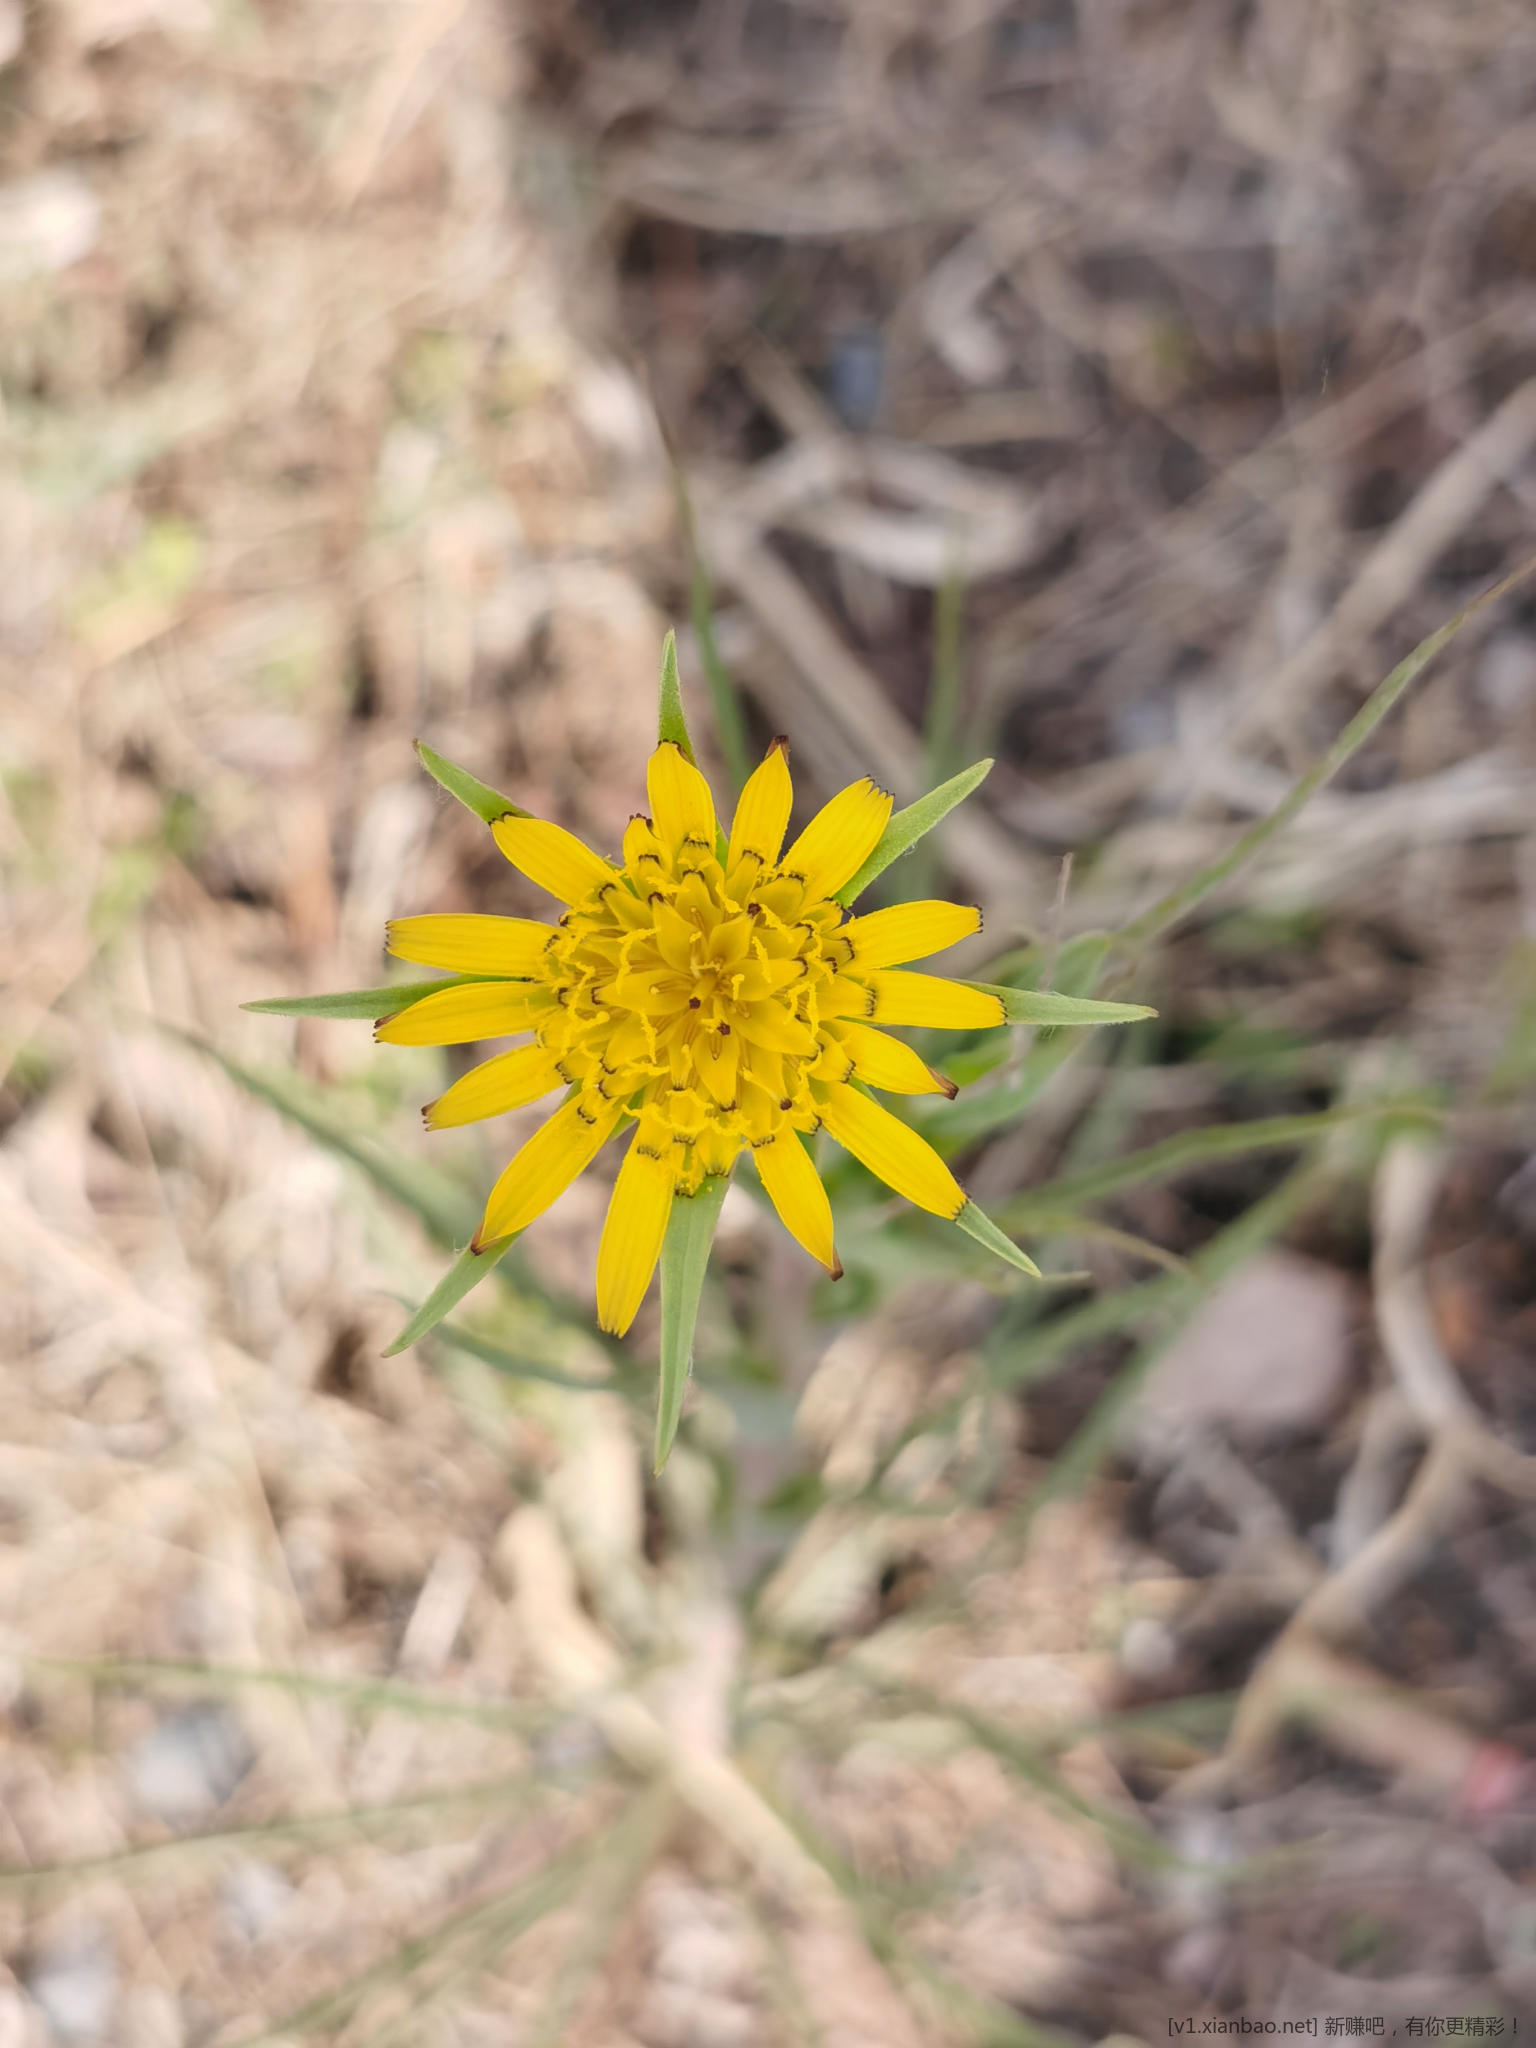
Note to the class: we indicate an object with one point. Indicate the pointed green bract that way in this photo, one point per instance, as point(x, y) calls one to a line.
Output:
point(670, 722)
point(684, 1257)
point(362, 1002)
point(487, 804)
point(1045, 1006)
point(908, 826)
point(975, 1222)
point(467, 1271)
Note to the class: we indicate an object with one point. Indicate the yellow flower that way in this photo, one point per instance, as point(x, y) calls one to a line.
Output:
point(713, 994)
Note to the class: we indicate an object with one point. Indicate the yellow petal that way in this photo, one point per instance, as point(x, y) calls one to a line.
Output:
point(636, 1225)
point(623, 906)
point(730, 941)
point(930, 999)
point(762, 811)
point(908, 931)
point(675, 937)
point(495, 1086)
point(833, 1063)
point(717, 1060)
point(847, 998)
point(839, 839)
point(892, 1151)
point(785, 1168)
point(552, 857)
point(458, 1016)
point(884, 1062)
point(642, 854)
point(654, 991)
point(765, 1067)
point(682, 809)
point(470, 944)
point(771, 1024)
point(545, 1167)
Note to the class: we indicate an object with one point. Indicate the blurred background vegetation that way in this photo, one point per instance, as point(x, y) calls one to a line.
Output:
point(1118, 387)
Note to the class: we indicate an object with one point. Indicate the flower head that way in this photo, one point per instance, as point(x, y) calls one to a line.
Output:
point(713, 994)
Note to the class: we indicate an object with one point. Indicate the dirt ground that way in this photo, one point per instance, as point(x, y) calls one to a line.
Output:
point(1116, 387)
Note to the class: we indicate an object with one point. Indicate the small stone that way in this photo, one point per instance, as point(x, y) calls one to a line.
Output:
point(1148, 1649)
point(185, 1769)
point(73, 1983)
point(47, 222)
point(257, 1897)
point(855, 377)
point(1266, 1355)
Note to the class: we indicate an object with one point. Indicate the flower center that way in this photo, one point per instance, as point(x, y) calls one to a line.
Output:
point(697, 999)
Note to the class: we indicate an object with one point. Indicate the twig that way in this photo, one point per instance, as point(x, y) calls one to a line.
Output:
point(1406, 1185)
point(1397, 565)
point(1170, 909)
point(829, 685)
point(1462, 1450)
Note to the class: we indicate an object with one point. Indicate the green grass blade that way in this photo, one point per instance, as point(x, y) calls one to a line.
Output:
point(949, 1125)
point(439, 1202)
point(362, 1695)
point(515, 1367)
point(303, 1830)
point(361, 1002)
point(684, 1258)
point(975, 1222)
point(467, 1271)
point(1030, 1760)
point(730, 726)
point(1014, 1360)
point(1095, 1437)
point(1046, 1007)
point(497, 1921)
point(908, 826)
point(979, 2018)
point(1196, 1148)
point(629, 1850)
point(487, 804)
point(1169, 909)
point(781, 1982)
point(1067, 1223)
point(943, 719)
